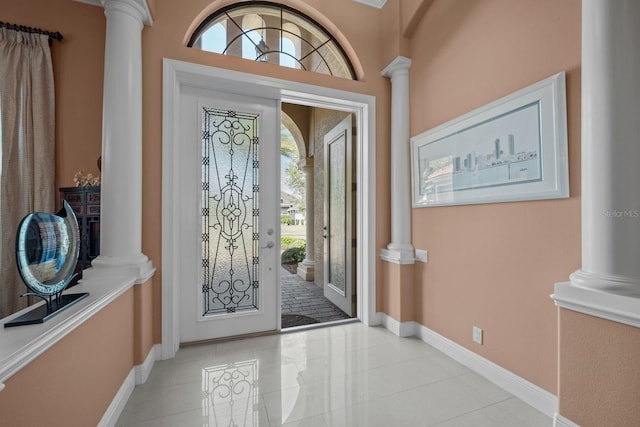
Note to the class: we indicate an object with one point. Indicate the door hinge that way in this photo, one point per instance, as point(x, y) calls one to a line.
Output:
point(354, 243)
point(354, 186)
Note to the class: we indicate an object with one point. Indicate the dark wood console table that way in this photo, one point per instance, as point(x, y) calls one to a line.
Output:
point(85, 202)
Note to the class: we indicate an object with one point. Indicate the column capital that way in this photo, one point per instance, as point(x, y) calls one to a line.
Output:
point(139, 9)
point(399, 65)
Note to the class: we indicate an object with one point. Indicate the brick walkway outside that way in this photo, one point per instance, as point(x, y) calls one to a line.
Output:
point(307, 299)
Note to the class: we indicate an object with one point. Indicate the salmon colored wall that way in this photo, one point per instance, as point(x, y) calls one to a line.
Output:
point(78, 68)
point(143, 321)
point(397, 291)
point(599, 371)
point(74, 382)
point(393, 43)
point(411, 13)
point(494, 265)
point(165, 39)
point(152, 7)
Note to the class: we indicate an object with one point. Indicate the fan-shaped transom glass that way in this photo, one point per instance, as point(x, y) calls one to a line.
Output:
point(269, 32)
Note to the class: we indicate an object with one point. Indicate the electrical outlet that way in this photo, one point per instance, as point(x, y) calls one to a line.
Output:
point(422, 255)
point(477, 335)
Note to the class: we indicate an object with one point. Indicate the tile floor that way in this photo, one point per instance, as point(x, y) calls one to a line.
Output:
point(346, 375)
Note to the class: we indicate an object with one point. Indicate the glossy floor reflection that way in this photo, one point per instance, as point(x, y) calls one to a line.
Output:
point(346, 375)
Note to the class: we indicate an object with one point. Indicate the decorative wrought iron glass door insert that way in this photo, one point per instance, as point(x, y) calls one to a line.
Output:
point(230, 212)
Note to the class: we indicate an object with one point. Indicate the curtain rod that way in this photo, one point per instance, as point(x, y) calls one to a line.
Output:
point(52, 35)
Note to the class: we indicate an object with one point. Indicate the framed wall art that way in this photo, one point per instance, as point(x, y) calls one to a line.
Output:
point(512, 149)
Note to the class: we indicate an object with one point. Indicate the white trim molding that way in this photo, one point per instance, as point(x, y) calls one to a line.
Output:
point(618, 308)
point(143, 371)
point(111, 415)
point(540, 399)
point(560, 421)
point(401, 329)
point(398, 256)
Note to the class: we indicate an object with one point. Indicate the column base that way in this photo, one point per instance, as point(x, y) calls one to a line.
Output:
point(624, 286)
point(398, 253)
point(306, 270)
point(138, 265)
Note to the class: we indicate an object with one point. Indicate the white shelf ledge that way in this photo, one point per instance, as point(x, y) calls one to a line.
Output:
point(618, 308)
point(20, 345)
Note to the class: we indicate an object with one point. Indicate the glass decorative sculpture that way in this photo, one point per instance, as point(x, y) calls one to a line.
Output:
point(47, 248)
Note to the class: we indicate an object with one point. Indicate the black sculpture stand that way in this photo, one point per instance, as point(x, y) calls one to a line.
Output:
point(46, 311)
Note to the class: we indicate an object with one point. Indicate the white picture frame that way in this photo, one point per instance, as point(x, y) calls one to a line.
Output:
point(512, 149)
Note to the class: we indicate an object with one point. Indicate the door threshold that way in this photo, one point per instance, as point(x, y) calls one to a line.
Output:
point(231, 338)
point(274, 332)
point(319, 325)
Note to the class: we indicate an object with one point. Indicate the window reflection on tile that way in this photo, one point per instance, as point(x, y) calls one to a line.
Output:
point(230, 394)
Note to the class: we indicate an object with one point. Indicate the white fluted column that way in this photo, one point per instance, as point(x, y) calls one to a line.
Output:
point(306, 269)
point(121, 206)
point(400, 250)
point(610, 147)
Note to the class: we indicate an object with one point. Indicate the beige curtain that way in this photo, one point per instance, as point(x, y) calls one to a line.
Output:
point(28, 147)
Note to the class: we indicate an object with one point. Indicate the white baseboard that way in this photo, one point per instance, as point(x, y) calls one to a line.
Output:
point(142, 371)
point(542, 400)
point(401, 329)
point(560, 421)
point(111, 415)
point(138, 375)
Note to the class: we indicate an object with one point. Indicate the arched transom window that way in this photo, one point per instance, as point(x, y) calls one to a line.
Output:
point(269, 32)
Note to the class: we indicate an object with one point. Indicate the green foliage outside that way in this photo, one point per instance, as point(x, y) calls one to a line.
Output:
point(295, 181)
point(288, 145)
point(292, 255)
point(292, 242)
point(285, 219)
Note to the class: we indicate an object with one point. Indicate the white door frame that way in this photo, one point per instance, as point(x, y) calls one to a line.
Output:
point(178, 73)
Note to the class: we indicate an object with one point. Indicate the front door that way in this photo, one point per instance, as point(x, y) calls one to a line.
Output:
point(229, 224)
point(338, 255)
